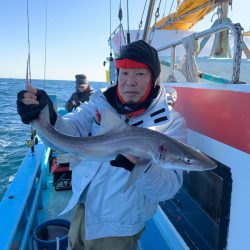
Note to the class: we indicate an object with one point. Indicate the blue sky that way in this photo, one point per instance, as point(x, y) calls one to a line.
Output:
point(77, 34)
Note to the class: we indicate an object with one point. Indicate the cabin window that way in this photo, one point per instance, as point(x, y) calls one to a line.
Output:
point(200, 211)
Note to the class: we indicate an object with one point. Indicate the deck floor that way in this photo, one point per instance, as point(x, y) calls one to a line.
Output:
point(54, 203)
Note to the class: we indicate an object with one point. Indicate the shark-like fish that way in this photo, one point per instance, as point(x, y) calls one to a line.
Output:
point(116, 137)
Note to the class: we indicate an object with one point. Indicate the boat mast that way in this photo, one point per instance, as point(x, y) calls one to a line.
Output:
point(148, 19)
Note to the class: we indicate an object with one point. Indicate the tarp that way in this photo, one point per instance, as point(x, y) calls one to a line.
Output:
point(188, 14)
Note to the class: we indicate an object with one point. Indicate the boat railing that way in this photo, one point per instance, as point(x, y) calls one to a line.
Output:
point(19, 206)
point(236, 30)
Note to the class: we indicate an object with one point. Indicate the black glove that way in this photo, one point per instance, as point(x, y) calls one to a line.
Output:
point(30, 112)
point(71, 105)
point(122, 162)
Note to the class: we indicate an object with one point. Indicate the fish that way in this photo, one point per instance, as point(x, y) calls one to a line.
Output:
point(117, 137)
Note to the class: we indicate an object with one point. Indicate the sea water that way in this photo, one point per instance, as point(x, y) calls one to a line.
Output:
point(13, 133)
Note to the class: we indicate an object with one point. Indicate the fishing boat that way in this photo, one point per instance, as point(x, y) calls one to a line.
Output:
point(211, 211)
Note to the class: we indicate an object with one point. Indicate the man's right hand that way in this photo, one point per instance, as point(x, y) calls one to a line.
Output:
point(72, 105)
point(31, 101)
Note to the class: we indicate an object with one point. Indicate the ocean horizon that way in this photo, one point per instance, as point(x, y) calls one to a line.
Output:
point(13, 133)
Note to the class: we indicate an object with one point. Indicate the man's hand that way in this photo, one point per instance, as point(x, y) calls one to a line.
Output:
point(71, 105)
point(127, 162)
point(31, 101)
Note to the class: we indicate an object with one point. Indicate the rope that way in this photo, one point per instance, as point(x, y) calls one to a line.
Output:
point(110, 47)
point(140, 24)
point(128, 33)
point(120, 18)
point(164, 9)
point(156, 17)
point(188, 66)
point(171, 7)
point(45, 45)
point(110, 22)
point(127, 16)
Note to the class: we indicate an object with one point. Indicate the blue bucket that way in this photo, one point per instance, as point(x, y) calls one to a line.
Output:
point(52, 234)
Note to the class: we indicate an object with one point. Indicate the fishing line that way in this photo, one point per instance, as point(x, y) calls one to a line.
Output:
point(33, 139)
point(45, 45)
point(28, 70)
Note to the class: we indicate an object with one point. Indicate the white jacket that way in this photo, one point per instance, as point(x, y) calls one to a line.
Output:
point(108, 210)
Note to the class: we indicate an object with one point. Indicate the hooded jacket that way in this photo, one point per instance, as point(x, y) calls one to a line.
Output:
point(108, 210)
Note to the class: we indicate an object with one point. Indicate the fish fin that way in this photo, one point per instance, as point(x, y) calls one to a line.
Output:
point(110, 122)
point(138, 170)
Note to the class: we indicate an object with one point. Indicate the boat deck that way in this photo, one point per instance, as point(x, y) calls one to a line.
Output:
point(54, 203)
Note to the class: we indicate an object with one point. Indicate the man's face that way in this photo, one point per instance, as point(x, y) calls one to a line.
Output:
point(133, 84)
point(82, 87)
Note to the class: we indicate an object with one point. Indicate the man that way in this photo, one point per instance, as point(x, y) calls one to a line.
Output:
point(106, 217)
point(82, 94)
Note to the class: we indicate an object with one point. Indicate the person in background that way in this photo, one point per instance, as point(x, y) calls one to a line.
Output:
point(82, 94)
point(105, 217)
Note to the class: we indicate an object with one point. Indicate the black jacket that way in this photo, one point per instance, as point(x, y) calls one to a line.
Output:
point(77, 98)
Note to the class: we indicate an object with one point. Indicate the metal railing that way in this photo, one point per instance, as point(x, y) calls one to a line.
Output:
point(120, 29)
point(236, 30)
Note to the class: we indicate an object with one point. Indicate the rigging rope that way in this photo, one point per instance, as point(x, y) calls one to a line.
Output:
point(128, 33)
point(164, 9)
point(120, 19)
point(110, 23)
point(120, 13)
point(171, 7)
point(156, 17)
point(110, 46)
point(140, 24)
point(110, 59)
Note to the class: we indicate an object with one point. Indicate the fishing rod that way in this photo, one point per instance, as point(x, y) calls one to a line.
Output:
point(33, 139)
point(45, 45)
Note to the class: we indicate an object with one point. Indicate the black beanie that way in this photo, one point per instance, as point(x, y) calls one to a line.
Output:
point(140, 51)
point(81, 79)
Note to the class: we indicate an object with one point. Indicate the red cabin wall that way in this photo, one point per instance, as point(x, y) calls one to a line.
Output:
point(220, 114)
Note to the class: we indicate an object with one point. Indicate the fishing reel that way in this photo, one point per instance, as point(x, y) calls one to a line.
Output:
point(108, 59)
point(33, 140)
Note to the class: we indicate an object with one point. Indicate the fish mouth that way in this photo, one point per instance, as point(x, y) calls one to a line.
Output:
point(208, 165)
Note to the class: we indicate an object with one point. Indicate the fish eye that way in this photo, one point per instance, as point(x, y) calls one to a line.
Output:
point(188, 160)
